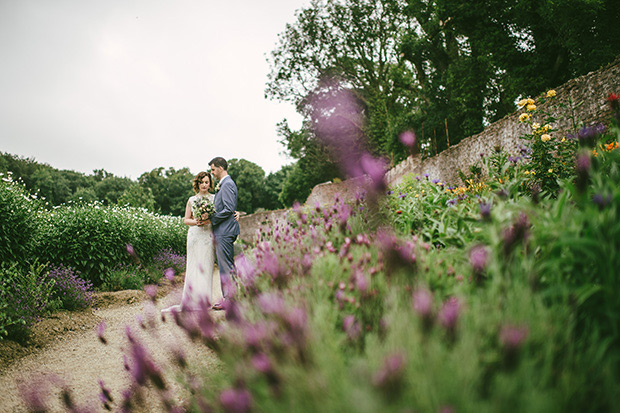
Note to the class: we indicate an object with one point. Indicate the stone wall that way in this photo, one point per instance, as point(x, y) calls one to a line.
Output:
point(589, 92)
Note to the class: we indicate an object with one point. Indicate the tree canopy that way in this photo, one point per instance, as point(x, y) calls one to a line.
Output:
point(442, 68)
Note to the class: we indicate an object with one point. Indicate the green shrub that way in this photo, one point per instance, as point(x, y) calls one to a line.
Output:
point(94, 238)
point(18, 221)
point(25, 294)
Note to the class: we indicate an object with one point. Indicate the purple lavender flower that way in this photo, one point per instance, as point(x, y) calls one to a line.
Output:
point(236, 400)
point(602, 201)
point(449, 313)
point(261, 363)
point(169, 274)
point(512, 337)
point(408, 139)
point(422, 302)
point(106, 395)
point(390, 376)
point(588, 135)
point(485, 210)
point(352, 327)
point(582, 167)
point(478, 257)
point(100, 330)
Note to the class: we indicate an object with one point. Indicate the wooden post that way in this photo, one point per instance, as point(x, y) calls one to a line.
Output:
point(447, 136)
point(435, 140)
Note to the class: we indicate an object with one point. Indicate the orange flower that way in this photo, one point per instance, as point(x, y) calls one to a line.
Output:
point(611, 146)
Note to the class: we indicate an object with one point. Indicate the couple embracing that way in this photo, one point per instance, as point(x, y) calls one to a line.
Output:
point(210, 234)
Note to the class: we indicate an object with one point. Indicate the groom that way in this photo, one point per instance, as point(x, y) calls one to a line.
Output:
point(225, 227)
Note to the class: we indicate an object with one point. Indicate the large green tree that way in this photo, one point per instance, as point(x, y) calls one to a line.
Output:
point(353, 42)
point(250, 180)
point(171, 188)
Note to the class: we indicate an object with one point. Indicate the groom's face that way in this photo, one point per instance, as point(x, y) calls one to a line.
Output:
point(216, 171)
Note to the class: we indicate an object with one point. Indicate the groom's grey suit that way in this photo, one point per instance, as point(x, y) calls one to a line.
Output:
point(225, 229)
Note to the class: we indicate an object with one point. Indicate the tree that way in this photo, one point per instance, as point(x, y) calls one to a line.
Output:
point(110, 188)
point(170, 188)
point(250, 180)
point(138, 196)
point(273, 187)
point(354, 43)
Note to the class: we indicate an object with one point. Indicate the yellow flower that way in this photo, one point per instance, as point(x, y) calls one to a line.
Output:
point(547, 127)
point(545, 138)
point(531, 107)
point(523, 102)
point(551, 93)
point(535, 126)
point(524, 117)
point(530, 101)
point(563, 140)
point(527, 172)
point(550, 171)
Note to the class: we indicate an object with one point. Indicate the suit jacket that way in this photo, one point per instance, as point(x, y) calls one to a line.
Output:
point(223, 221)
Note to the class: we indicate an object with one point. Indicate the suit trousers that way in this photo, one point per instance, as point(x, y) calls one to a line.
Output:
point(225, 252)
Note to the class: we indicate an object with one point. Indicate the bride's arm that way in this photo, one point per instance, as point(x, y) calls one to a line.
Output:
point(188, 219)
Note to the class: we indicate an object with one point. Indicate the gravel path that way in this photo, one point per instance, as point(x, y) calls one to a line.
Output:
point(79, 359)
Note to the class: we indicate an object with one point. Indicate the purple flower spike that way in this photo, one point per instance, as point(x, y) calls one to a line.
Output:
point(151, 291)
point(512, 337)
point(449, 313)
point(389, 377)
point(485, 210)
point(261, 363)
point(408, 139)
point(236, 400)
point(478, 257)
point(351, 327)
point(130, 250)
point(422, 302)
point(169, 274)
point(100, 330)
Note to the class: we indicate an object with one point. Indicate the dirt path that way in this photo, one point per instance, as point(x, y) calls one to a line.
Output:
point(73, 352)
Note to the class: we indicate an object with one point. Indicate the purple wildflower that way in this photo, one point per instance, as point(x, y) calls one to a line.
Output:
point(100, 330)
point(449, 313)
point(478, 257)
point(236, 400)
point(512, 337)
point(485, 210)
point(390, 376)
point(352, 327)
point(408, 139)
point(422, 302)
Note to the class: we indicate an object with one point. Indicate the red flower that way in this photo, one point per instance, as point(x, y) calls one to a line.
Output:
point(614, 101)
point(399, 211)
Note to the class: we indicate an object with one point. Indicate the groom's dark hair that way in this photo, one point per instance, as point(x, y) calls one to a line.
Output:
point(219, 161)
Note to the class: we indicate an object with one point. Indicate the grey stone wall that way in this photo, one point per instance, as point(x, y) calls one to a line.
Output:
point(589, 92)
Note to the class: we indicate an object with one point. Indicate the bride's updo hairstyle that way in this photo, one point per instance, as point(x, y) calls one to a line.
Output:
point(196, 181)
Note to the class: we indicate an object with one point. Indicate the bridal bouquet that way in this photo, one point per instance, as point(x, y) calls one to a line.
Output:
point(202, 208)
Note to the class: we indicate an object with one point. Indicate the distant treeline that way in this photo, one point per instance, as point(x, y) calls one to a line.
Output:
point(161, 190)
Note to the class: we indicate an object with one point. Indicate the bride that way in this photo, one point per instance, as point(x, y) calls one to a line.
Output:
point(198, 286)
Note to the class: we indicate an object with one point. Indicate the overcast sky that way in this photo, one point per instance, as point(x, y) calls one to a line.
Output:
point(132, 85)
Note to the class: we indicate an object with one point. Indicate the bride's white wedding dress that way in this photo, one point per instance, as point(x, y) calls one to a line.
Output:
point(198, 285)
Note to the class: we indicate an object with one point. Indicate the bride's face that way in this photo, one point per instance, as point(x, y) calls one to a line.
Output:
point(204, 185)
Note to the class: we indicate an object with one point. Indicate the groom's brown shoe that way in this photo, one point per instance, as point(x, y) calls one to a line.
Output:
point(217, 307)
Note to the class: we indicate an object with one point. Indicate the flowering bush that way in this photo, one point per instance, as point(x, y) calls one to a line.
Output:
point(70, 292)
point(93, 238)
point(550, 156)
point(25, 293)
